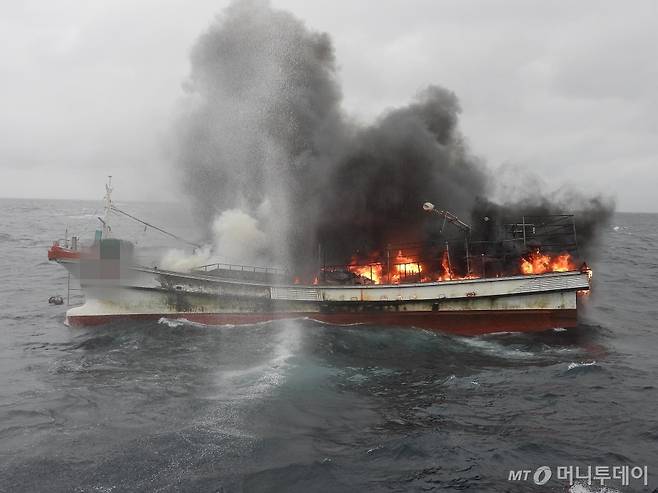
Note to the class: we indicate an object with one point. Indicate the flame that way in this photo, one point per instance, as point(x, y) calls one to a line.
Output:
point(539, 263)
point(585, 269)
point(408, 269)
point(446, 270)
point(372, 272)
point(404, 267)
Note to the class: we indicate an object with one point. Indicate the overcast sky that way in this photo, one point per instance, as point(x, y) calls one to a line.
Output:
point(568, 90)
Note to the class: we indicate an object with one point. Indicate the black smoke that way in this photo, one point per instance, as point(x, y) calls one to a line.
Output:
point(263, 131)
point(374, 193)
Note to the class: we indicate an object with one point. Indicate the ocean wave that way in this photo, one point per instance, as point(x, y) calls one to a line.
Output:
point(181, 322)
point(573, 365)
point(584, 488)
point(258, 380)
point(495, 348)
point(80, 216)
point(173, 323)
point(331, 323)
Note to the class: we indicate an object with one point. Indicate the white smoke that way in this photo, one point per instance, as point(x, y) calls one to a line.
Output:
point(237, 239)
point(182, 261)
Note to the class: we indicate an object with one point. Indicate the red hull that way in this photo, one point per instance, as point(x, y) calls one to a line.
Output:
point(56, 252)
point(466, 322)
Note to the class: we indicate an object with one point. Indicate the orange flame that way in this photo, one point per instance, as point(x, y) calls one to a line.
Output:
point(371, 272)
point(540, 263)
point(404, 267)
point(446, 270)
point(408, 269)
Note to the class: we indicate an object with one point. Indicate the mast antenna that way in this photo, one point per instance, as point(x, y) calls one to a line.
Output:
point(108, 208)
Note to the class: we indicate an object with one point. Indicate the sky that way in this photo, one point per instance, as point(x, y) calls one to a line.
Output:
point(566, 91)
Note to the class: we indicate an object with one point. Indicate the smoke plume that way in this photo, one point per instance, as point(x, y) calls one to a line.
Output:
point(262, 121)
point(262, 134)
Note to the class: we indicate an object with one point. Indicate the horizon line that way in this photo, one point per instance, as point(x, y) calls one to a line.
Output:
point(173, 202)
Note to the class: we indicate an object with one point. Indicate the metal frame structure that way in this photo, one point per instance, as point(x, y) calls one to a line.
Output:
point(553, 233)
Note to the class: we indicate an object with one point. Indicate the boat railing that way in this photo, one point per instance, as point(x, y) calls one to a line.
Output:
point(241, 268)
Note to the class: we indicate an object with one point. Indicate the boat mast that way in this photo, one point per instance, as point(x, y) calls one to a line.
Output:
point(458, 223)
point(108, 208)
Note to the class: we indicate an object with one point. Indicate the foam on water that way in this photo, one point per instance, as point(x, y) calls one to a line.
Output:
point(334, 324)
point(573, 365)
point(181, 322)
point(172, 323)
point(585, 488)
point(257, 381)
point(495, 348)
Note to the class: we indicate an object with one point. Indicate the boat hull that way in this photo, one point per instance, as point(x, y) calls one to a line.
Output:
point(515, 304)
point(464, 322)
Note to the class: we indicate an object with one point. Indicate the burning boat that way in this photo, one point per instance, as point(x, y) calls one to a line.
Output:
point(529, 279)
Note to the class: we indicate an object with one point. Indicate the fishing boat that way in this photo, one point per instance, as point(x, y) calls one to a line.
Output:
point(396, 289)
